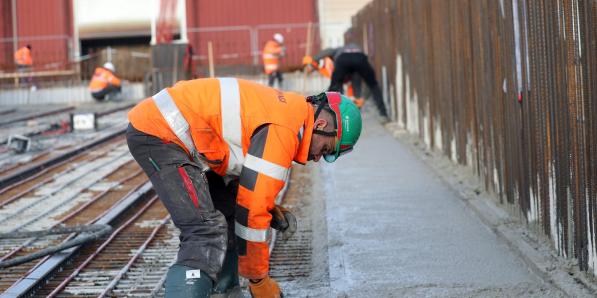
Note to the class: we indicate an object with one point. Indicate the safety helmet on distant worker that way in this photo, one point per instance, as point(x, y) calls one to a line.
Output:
point(109, 66)
point(348, 122)
point(279, 38)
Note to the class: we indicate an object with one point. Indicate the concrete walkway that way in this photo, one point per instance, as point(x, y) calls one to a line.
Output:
point(395, 229)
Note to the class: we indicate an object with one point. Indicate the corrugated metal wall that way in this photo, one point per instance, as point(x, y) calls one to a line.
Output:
point(239, 37)
point(507, 87)
point(46, 25)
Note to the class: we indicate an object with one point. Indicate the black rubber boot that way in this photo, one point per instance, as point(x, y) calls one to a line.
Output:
point(228, 283)
point(183, 281)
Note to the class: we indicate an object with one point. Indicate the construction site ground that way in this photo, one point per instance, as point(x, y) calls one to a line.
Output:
point(391, 219)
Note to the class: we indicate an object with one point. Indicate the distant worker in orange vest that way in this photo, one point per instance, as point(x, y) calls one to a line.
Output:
point(24, 61)
point(273, 51)
point(218, 152)
point(324, 66)
point(104, 84)
point(23, 58)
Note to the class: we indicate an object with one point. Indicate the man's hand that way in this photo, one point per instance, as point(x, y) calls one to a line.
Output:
point(265, 288)
point(284, 221)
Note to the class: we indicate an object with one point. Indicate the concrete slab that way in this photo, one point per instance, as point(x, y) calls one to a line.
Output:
point(395, 229)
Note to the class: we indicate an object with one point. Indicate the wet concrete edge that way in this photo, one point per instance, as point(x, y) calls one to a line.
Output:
point(533, 248)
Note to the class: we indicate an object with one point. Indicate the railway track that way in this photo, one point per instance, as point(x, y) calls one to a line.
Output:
point(83, 189)
point(43, 130)
point(10, 175)
point(51, 173)
point(82, 206)
point(99, 267)
point(33, 115)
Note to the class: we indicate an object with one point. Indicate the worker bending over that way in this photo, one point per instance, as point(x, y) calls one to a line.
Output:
point(348, 61)
point(273, 51)
point(218, 152)
point(104, 84)
point(325, 67)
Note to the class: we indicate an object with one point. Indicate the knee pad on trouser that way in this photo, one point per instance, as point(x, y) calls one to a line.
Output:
point(184, 281)
point(228, 277)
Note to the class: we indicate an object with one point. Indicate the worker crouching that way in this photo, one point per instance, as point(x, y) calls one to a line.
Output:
point(104, 84)
point(218, 152)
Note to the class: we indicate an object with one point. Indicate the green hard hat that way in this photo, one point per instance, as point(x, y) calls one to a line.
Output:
point(348, 124)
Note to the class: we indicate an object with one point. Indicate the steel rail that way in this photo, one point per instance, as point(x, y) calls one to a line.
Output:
point(37, 115)
point(75, 212)
point(45, 197)
point(8, 180)
point(48, 179)
point(134, 258)
point(40, 273)
point(114, 234)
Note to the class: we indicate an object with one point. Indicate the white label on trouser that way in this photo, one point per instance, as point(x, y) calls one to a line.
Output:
point(193, 274)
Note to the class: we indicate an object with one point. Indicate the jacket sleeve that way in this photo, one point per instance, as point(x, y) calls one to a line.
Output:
point(113, 80)
point(266, 167)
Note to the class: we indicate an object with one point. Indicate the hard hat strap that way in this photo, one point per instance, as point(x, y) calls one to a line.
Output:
point(321, 105)
point(324, 133)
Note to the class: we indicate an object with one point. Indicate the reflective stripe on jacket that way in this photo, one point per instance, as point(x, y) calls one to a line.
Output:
point(271, 56)
point(23, 56)
point(101, 79)
point(243, 129)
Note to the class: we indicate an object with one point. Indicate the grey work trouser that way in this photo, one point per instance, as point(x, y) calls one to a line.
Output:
point(109, 90)
point(200, 204)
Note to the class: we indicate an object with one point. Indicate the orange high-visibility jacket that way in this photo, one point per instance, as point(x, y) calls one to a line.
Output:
point(101, 79)
point(271, 56)
point(23, 56)
point(243, 129)
point(326, 67)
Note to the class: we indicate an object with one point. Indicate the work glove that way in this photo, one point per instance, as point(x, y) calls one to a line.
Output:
point(265, 288)
point(283, 221)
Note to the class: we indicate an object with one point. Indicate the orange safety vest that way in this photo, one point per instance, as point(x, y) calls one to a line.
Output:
point(217, 118)
point(271, 56)
point(326, 67)
point(23, 57)
point(102, 77)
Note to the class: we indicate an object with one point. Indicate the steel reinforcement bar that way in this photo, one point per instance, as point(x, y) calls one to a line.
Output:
point(36, 277)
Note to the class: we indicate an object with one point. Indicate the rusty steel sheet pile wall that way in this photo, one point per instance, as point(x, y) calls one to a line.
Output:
point(506, 87)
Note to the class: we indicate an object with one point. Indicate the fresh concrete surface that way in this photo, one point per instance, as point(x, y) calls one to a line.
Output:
point(395, 229)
